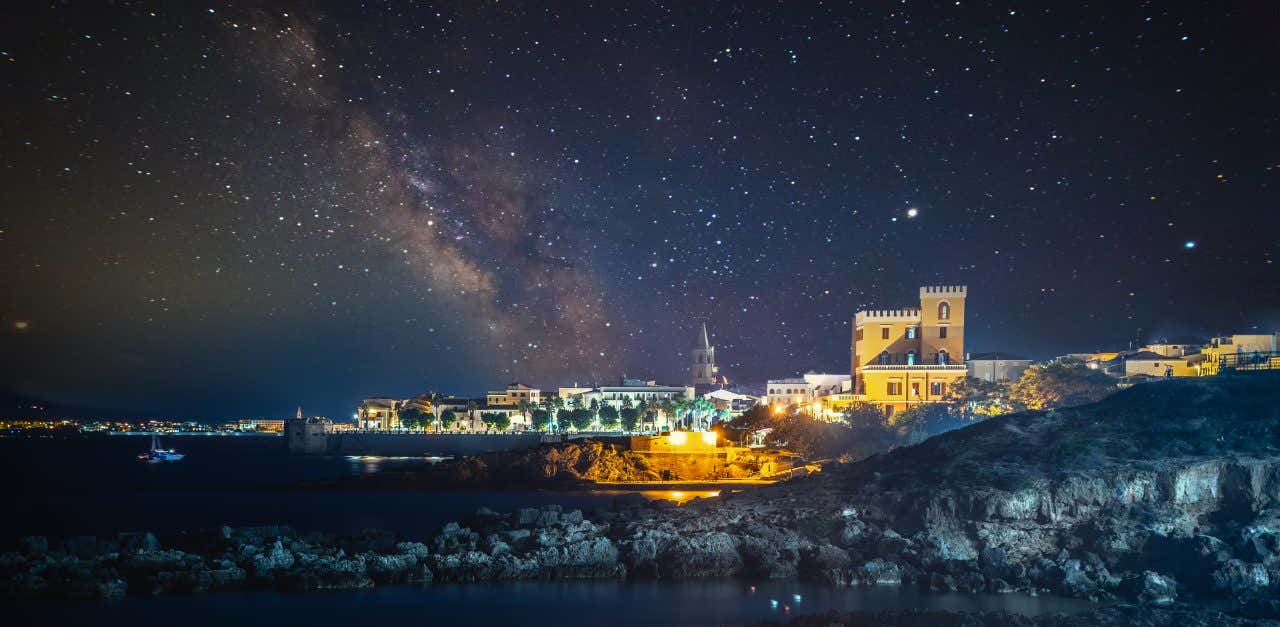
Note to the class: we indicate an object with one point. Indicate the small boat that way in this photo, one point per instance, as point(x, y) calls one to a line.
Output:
point(157, 454)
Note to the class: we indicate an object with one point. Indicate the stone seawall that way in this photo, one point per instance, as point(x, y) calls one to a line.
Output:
point(427, 444)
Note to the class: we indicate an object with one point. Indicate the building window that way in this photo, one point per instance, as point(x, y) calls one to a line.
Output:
point(911, 333)
point(942, 332)
point(857, 335)
point(894, 388)
point(884, 358)
point(942, 358)
point(944, 310)
point(911, 358)
point(884, 333)
point(935, 388)
point(915, 389)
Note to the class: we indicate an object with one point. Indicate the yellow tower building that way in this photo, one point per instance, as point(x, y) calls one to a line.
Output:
point(902, 357)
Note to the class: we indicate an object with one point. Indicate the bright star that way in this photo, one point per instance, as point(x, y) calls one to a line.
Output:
point(1189, 244)
point(913, 212)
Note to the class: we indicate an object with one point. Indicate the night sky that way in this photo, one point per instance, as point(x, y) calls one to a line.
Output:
point(223, 211)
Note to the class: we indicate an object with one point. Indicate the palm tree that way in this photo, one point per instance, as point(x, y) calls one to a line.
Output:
point(643, 410)
point(679, 404)
point(525, 407)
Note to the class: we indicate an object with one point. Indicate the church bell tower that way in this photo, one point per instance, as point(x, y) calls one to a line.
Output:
point(704, 362)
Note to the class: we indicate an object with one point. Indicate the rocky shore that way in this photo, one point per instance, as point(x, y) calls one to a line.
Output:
point(1166, 493)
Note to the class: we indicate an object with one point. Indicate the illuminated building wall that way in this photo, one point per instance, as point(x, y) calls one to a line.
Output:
point(901, 357)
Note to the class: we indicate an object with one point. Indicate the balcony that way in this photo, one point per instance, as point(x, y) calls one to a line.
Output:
point(915, 367)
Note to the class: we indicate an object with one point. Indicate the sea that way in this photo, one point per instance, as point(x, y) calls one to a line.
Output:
point(96, 486)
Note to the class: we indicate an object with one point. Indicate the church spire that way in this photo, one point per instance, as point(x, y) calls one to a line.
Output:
point(299, 412)
point(706, 344)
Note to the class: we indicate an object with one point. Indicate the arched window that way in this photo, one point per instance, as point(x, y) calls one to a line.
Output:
point(944, 310)
point(942, 357)
point(884, 358)
point(911, 358)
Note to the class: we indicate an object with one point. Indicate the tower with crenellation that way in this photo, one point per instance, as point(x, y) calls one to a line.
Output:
point(903, 357)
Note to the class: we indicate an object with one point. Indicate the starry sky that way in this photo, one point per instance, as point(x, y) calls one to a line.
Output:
point(226, 210)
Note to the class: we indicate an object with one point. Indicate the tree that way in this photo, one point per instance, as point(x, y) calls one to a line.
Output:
point(411, 418)
point(629, 417)
point(608, 417)
point(678, 407)
point(1059, 385)
point(581, 418)
point(980, 397)
point(447, 418)
point(541, 419)
point(741, 428)
point(496, 420)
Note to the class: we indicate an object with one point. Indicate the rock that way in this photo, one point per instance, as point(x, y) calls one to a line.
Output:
point(275, 558)
point(826, 563)
point(390, 568)
point(416, 549)
point(1239, 577)
point(1150, 587)
point(327, 573)
point(455, 539)
point(878, 572)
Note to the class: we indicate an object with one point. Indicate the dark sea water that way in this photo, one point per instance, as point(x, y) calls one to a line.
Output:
point(96, 487)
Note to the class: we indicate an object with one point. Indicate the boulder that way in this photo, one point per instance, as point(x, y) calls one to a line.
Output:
point(1150, 587)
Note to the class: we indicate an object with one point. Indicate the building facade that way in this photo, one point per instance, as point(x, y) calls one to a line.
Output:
point(805, 390)
point(378, 413)
point(515, 394)
point(902, 357)
point(996, 367)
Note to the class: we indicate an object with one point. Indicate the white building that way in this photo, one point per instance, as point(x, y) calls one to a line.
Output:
point(996, 367)
point(731, 402)
point(636, 390)
point(806, 389)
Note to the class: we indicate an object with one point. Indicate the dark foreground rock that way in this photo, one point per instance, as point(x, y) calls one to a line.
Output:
point(1162, 494)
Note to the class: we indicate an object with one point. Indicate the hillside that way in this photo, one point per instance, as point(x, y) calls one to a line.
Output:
point(1165, 490)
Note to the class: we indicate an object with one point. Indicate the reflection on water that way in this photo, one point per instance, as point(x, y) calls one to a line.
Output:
point(367, 464)
point(680, 496)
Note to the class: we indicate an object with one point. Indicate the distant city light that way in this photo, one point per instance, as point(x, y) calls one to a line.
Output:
point(20, 325)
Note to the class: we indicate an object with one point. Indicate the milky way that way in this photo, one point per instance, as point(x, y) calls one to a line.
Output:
point(225, 211)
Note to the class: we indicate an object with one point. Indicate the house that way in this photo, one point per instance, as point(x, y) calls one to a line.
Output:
point(378, 413)
point(515, 394)
point(903, 357)
point(996, 367)
point(1151, 364)
point(805, 390)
